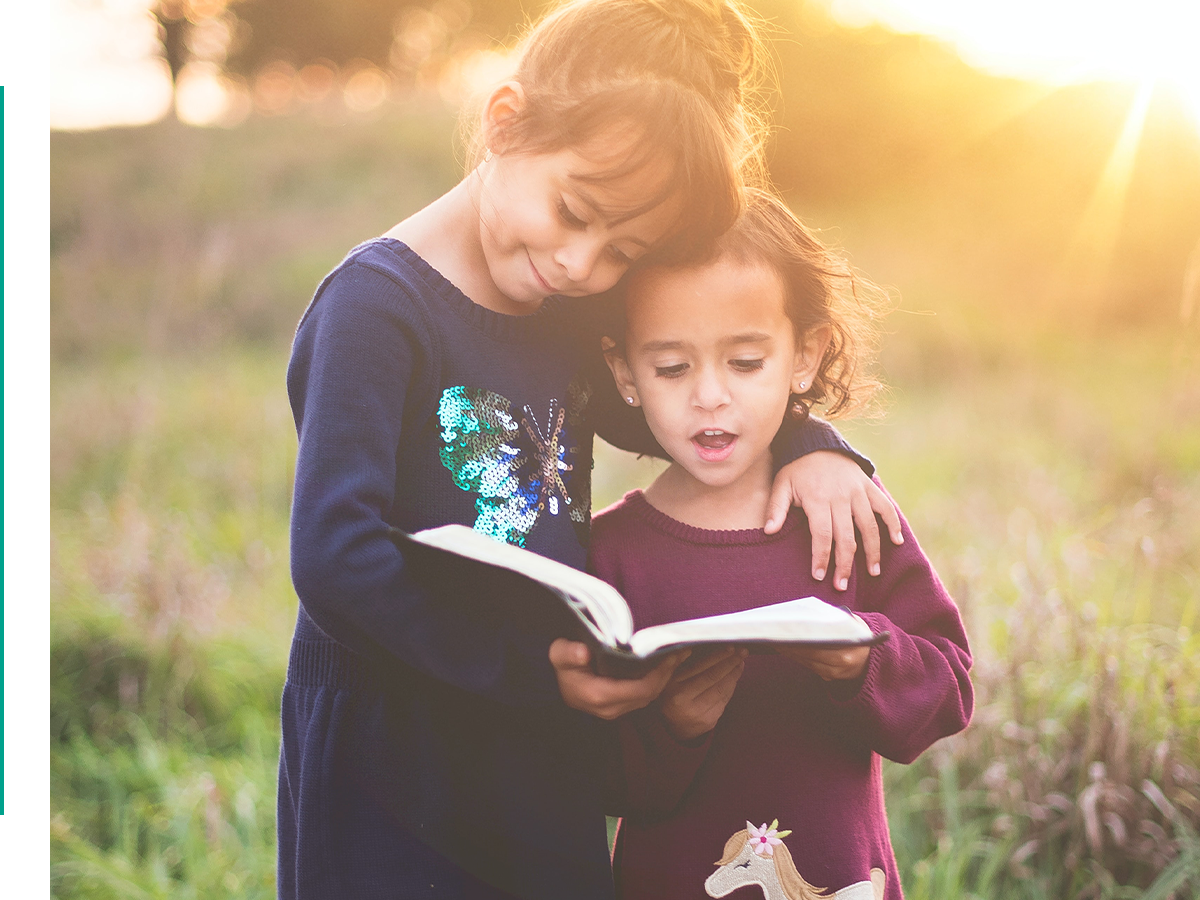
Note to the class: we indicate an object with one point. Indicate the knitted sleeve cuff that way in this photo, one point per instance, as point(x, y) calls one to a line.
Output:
point(797, 439)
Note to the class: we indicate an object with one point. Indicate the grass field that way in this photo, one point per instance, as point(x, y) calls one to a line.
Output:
point(1052, 476)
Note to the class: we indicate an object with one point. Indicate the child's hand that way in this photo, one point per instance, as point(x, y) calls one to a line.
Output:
point(606, 698)
point(841, 664)
point(697, 695)
point(836, 495)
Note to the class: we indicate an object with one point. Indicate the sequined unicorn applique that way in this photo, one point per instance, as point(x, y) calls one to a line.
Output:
point(759, 856)
point(517, 467)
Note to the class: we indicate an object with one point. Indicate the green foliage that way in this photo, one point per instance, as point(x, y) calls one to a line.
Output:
point(1055, 487)
point(171, 610)
point(167, 237)
point(163, 757)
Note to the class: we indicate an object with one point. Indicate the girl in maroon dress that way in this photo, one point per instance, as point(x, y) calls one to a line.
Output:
point(767, 765)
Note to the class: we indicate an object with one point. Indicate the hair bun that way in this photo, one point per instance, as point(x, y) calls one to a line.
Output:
point(727, 32)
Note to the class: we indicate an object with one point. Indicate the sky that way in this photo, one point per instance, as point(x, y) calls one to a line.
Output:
point(106, 71)
point(105, 68)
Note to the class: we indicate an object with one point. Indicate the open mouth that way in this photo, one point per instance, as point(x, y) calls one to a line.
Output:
point(714, 444)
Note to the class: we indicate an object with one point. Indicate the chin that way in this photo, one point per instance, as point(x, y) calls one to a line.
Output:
point(716, 479)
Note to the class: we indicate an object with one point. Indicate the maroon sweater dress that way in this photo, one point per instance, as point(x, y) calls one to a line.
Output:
point(789, 746)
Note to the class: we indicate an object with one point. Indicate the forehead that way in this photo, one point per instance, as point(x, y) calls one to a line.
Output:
point(705, 303)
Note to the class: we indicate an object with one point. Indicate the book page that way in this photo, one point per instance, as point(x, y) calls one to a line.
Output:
point(806, 620)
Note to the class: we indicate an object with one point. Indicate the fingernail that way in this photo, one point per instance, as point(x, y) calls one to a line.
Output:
point(841, 585)
point(819, 574)
point(875, 569)
point(899, 538)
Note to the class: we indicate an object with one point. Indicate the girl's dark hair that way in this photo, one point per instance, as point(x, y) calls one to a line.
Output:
point(684, 73)
point(820, 288)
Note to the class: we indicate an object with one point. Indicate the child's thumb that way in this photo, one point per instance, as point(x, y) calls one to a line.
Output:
point(568, 653)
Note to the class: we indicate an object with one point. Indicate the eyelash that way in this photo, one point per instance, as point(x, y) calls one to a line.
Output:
point(744, 366)
point(574, 221)
point(569, 217)
point(747, 365)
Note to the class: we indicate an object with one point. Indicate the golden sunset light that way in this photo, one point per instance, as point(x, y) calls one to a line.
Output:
point(107, 68)
point(1060, 41)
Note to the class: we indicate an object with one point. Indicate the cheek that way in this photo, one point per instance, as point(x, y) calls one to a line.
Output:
point(494, 227)
point(663, 424)
point(660, 405)
point(776, 402)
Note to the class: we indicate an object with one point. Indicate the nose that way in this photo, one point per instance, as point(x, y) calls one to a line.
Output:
point(710, 390)
point(578, 257)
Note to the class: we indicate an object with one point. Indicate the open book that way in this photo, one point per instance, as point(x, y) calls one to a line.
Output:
point(600, 614)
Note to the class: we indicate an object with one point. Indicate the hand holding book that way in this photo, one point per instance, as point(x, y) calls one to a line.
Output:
point(550, 594)
point(584, 689)
point(830, 663)
point(699, 691)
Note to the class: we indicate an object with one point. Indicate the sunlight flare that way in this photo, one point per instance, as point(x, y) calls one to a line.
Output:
point(1090, 253)
point(1057, 41)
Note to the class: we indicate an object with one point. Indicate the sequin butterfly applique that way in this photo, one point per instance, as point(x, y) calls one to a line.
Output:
point(517, 465)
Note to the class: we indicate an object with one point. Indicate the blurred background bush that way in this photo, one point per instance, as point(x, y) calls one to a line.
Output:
point(1042, 431)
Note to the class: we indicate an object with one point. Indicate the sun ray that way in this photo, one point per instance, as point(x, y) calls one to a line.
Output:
point(1020, 102)
point(1089, 255)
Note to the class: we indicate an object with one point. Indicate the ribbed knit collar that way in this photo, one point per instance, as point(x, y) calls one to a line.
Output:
point(637, 503)
point(490, 322)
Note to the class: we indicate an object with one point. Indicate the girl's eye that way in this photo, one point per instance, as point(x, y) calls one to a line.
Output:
point(674, 371)
point(569, 217)
point(746, 365)
point(620, 257)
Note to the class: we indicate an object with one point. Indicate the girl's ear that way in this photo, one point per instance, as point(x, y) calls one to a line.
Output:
point(619, 366)
point(502, 104)
point(810, 350)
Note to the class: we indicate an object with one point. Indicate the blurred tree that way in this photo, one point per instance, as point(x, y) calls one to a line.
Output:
point(410, 41)
point(299, 32)
point(173, 28)
point(194, 31)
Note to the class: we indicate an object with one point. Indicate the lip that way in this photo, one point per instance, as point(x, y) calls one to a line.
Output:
point(714, 454)
point(541, 282)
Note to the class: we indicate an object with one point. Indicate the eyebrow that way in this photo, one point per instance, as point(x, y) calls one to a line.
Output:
point(655, 346)
point(747, 337)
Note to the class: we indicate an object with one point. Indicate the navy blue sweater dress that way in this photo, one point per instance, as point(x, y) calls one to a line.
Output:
point(426, 751)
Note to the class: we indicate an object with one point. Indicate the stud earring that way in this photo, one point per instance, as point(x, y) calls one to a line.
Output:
point(487, 154)
point(629, 400)
point(802, 386)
